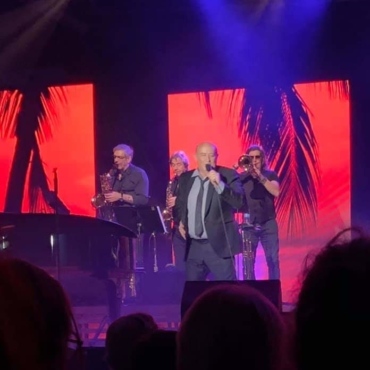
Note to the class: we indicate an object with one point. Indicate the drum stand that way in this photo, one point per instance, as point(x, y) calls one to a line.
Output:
point(247, 253)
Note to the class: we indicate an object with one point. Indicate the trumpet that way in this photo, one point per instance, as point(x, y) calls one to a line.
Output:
point(244, 162)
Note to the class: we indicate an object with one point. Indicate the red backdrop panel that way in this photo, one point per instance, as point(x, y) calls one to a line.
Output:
point(190, 124)
point(70, 150)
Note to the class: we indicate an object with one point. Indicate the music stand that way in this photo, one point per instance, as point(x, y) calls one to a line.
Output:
point(151, 220)
point(128, 217)
point(147, 219)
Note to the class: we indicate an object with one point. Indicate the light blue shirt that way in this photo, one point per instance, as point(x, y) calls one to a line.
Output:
point(192, 202)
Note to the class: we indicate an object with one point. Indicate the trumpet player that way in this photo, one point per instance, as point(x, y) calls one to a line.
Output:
point(179, 164)
point(261, 186)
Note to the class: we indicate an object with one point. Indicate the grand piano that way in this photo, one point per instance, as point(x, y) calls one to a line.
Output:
point(85, 257)
point(85, 242)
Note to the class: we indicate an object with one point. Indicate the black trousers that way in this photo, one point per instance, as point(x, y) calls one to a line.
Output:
point(267, 234)
point(179, 249)
point(202, 260)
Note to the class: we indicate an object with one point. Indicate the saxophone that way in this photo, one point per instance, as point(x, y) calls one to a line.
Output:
point(98, 201)
point(167, 212)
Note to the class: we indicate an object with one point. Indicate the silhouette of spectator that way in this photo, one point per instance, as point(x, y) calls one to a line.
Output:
point(332, 315)
point(122, 336)
point(231, 327)
point(156, 350)
point(36, 321)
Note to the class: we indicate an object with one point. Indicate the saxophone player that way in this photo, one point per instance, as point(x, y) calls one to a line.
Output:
point(131, 186)
point(179, 164)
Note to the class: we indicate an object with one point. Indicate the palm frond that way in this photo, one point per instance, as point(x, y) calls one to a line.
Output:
point(52, 98)
point(10, 102)
point(30, 115)
point(298, 166)
point(205, 100)
point(217, 98)
point(277, 118)
point(261, 118)
point(339, 89)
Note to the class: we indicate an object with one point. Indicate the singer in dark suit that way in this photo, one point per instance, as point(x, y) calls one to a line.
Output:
point(206, 200)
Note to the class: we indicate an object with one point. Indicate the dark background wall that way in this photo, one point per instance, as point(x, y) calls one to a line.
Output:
point(136, 52)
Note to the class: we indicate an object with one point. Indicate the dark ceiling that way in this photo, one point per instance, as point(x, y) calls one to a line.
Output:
point(93, 36)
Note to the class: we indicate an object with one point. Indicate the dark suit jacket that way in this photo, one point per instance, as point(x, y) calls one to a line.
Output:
point(231, 199)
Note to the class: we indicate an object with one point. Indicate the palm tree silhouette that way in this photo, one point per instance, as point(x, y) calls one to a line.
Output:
point(29, 115)
point(277, 118)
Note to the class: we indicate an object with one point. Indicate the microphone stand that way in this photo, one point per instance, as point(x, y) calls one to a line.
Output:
point(155, 258)
point(56, 238)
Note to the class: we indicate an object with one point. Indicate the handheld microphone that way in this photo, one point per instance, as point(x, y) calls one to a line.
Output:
point(210, 168)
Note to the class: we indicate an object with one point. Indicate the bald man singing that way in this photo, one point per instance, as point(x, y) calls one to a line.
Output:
point(206, 202)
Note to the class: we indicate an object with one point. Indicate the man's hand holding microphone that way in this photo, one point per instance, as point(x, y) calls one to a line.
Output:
point(215, 178)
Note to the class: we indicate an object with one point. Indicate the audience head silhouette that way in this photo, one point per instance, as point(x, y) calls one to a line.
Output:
point(122, 336)
point(156, 350)
point(36, 321)
point(228, 327)
point(332, 315)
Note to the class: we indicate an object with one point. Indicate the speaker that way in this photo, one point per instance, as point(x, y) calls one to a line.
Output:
point(271, 289)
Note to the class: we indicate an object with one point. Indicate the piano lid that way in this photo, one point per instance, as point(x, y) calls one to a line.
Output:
point(63, 224)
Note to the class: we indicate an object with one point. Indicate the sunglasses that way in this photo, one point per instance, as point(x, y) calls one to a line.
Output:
point(254, 156)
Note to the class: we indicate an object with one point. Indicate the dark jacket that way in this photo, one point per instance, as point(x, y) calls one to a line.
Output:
point(220, 224)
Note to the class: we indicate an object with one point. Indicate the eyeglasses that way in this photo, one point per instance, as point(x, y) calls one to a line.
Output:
point(254, 156)
point(120, 157)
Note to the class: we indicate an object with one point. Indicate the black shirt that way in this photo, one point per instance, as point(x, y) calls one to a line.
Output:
point(174, 186)
point(260, 203)
point(133, 181)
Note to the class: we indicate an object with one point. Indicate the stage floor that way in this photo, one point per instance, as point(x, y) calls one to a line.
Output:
point(93, 321)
